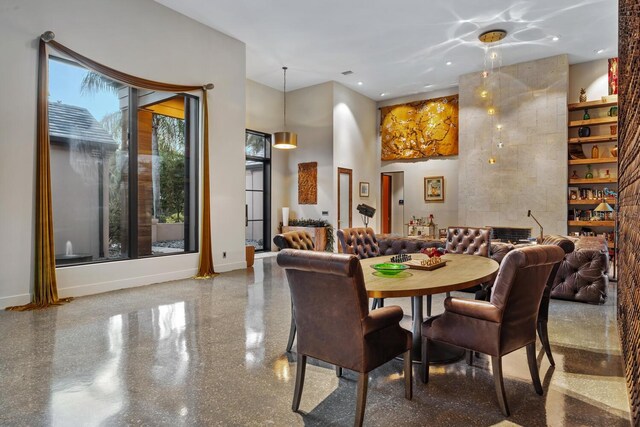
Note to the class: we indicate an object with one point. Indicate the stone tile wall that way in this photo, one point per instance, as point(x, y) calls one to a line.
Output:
point(531, 170)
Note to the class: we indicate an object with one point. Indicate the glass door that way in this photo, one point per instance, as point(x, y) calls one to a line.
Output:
point(257, 190)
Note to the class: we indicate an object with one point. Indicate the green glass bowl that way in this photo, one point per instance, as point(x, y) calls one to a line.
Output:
point(389, 268)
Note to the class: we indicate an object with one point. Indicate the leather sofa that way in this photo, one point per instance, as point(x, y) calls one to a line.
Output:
point(582, 274)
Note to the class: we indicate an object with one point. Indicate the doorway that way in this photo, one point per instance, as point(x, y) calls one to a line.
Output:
point(392, 202)
point(345, 184)
point(257, 190)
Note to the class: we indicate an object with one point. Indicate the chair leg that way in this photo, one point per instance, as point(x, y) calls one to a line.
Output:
point(292, 334)
point(448, 294)
point(429, 298)
point(533, 367)
point(496, 363)
point(469, 354)
point(297, 393)
point(363, 383)
point(544, 338)
point(338, 371)
point(408, 375)
point(425, 361)
point(374, 304)
point(380, 302)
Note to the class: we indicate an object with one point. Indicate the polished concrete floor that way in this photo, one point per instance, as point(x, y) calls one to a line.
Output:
point(211, 352)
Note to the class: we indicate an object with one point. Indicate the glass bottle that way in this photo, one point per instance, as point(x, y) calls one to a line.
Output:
point(595, 152)
point(586, 115)
point(589, 174)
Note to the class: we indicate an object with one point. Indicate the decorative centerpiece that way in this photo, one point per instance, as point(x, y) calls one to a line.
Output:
point(389, 268)
point(583, 95)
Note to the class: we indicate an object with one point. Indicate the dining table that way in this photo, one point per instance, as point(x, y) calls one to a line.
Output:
point(459, 272)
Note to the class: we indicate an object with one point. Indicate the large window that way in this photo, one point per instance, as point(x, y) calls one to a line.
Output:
point(123, 168)
point(258, 187)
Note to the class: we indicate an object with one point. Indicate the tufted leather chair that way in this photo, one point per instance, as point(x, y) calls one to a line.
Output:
point(361, 242)
point(340, 329)
point(582, 276)
point(392, 245)
point(543, 313)
point(294, 240)
point(299, 240)
point(502, 325)
point(469, 241)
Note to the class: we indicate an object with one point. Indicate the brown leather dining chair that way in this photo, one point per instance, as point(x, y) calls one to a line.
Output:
point(543, 313)
point(334, 323)
point(467, 241)
point(299, 240)
point(502, 325)
point(361, 242)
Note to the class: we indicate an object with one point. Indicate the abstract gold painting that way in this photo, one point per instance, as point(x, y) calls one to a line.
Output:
point(420, 129)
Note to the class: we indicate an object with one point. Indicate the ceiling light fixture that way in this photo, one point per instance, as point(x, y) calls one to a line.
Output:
point(599, 51)
point(555, 38)
point(285, 140)
point(449, 62)
point(382, 94)
point(360, 83)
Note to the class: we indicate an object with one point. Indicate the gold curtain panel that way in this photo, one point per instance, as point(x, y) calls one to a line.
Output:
point(420, 129)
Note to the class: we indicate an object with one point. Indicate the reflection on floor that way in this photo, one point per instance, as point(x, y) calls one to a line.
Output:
point(212, 353)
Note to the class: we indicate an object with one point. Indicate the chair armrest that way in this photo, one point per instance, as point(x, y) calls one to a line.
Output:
point(382, 318)
point(482, 310)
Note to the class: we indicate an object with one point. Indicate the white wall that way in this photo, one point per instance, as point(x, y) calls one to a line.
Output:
point(265, 114)
point(354, 147)
point(593, 76)
point(310, 115)
point(446, 214)
point(114, 34)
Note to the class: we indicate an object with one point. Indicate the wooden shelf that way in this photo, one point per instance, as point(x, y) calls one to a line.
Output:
point(593, 139)
point(590, 223)
point(593, 202)
point(594, 181)
point(601, 160)
point(591, 104)
point(594, 122)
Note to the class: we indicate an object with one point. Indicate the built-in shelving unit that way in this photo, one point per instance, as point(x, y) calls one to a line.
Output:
point(585, 194)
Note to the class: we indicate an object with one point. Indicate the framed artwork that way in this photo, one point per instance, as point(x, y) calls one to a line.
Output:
point(364, 189)
point(434, 189)
point(420, 129)
point(308, 183)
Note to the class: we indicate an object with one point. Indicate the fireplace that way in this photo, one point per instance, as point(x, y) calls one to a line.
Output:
point(510, 234)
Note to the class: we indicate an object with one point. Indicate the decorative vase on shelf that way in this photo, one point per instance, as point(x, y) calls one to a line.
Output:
point(586, 115)
point(589, 174)
point(285, 217)
point(575, 175)
point(595, 152)
point(584, 131)
point(613, 112)
point(614, 151)
point(614, 129)
point(583, 95)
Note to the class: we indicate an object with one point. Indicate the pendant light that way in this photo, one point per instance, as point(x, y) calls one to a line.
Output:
point(285, 140)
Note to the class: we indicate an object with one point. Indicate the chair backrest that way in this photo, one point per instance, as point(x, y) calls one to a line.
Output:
point(329, 304)
point(518, 289)
point(567, 246)
point(294, 240)
point(469, 240)
point(359, 241)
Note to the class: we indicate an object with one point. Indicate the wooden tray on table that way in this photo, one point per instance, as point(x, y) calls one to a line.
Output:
point(415, 263)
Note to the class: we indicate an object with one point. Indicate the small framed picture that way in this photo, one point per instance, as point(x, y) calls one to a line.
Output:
point(434, 189)
point(573, 193)
point(364, 189)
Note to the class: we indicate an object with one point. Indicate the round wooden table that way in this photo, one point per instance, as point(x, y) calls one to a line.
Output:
point(461, 272)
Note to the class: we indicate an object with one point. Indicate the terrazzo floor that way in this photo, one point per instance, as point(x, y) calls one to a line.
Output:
point(211, 352)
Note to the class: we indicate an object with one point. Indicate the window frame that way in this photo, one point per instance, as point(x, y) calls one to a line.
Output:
point(266, 186)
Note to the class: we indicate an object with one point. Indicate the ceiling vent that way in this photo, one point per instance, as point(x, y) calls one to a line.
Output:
point(346, 73)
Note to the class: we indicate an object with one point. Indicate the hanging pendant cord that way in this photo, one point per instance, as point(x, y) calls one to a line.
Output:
point(284, 95)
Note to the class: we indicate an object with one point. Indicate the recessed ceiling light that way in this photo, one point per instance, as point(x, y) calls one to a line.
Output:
point(599, 51)
point(448, 62)
point(555, 38)
point(382, 94)
point(428, 85)
point(359, 83)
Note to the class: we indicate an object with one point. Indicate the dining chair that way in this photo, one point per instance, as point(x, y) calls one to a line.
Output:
point(299, 240)
point(335, 325)
point(361, 242)
point(468, 241)
point(505, 323)
point(543, 313)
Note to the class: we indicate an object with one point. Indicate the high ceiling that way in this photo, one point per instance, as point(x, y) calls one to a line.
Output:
point(403, 47)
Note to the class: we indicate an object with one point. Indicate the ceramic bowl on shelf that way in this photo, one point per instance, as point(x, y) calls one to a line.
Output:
point(389, 268)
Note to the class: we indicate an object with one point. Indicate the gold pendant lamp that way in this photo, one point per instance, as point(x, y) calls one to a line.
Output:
point(285, 140)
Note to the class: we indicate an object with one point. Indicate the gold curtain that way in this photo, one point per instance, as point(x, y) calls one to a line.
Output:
point(45, 287)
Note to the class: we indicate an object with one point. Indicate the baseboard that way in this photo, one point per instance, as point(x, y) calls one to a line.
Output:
point(132, 282)
point(223, 268)
point(15, 300)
